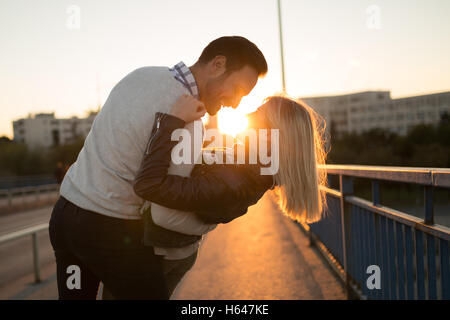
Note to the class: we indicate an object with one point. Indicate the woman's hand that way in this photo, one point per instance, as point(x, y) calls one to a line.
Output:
point(188, 108)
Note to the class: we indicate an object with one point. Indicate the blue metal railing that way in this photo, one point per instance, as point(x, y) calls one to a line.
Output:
point(412, 253)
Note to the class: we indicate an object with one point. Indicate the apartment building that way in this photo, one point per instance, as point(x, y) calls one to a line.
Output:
point(44, 130)
point(362, 111)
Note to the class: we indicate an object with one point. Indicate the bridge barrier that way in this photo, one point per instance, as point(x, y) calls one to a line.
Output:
point(26, 232)
point(412, 254)
point(26, 181)
point(37, 191)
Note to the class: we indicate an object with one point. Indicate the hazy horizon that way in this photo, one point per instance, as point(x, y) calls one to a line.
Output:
point(330, 47)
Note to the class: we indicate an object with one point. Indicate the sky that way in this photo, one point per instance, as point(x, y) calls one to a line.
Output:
point(51, 63)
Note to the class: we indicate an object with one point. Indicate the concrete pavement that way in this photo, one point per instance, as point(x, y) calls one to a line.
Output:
point(262, 255)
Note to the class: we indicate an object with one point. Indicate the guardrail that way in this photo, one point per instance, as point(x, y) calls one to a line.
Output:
point(26, 181)
point(412, 253)
point(26, 232)
point(37, 191)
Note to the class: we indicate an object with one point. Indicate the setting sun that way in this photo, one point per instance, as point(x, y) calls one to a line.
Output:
point(231, 121)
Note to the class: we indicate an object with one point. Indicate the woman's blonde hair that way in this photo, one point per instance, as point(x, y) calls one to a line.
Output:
point(301, 150)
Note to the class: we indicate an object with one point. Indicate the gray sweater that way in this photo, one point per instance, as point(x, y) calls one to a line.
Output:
point(101, 178)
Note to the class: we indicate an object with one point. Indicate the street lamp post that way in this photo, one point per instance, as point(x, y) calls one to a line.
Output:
point(281, 48)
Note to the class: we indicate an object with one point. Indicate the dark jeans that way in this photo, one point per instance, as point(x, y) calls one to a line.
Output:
point(174, 271)
point(104, 249)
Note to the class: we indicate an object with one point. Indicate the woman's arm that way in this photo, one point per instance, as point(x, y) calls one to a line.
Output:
point(201, 192)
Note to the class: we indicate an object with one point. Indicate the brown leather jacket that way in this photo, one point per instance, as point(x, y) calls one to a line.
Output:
point(216, 193)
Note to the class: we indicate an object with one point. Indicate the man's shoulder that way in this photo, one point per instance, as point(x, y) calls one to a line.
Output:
point(154, 79)
point(150, 71)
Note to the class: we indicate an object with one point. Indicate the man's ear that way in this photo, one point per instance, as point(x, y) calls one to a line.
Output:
point(218, 66)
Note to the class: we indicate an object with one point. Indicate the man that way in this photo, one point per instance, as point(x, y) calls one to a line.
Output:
point(96, 228)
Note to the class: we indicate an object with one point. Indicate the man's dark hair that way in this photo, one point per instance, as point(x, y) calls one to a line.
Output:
point(239, 52)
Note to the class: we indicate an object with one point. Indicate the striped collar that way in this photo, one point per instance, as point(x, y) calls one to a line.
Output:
point(182, 73)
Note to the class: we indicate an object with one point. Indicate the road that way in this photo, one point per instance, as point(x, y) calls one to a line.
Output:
point(16, 258)
point(262, 255)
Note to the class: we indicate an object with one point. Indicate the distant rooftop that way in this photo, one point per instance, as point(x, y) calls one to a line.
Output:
point(352, 94)
point(387, 93)
point(43, 115)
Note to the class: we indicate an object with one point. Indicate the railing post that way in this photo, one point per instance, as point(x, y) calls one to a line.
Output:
point(429, 214)
point(37, 271)
point(346, 188)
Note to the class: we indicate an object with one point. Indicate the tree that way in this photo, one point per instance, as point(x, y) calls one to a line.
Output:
point(423, 146)
point(5, 139)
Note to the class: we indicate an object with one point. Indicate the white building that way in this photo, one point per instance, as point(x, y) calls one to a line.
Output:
point(44, 130)
point(363, 111)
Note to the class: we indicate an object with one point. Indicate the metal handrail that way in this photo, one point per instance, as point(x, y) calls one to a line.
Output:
point(404, 218)
point(437, 177)
point(356, 232)
point(36, 190)
point(33, 230)
point(22, 190)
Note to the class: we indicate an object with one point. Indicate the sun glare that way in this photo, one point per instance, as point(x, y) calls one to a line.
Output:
point(231, 121)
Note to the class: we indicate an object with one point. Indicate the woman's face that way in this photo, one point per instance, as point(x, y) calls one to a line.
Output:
point(257, 119)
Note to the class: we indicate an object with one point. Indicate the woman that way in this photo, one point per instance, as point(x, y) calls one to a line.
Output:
point(219, 193)
point(225, 190)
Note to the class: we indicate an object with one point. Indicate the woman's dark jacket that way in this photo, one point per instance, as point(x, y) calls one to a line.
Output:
point(216, 193)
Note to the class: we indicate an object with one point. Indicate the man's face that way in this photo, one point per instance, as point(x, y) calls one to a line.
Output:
point(228, 89)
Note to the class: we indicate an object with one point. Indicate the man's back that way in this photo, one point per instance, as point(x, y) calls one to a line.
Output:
point(101, 178)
